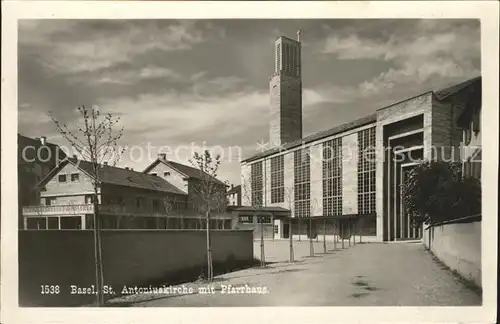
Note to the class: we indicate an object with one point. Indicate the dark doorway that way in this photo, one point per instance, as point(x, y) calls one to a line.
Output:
point(286, 230)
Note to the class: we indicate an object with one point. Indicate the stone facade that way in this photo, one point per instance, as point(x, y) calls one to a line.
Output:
point(286, 93)
point(246, 193)
point(286, 109)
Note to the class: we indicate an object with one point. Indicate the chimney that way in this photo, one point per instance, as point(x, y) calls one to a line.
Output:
point(162, 156)
point(126, 168)
point(232, 186)
point(75, 157)
point(43, 140)
point(131, 169)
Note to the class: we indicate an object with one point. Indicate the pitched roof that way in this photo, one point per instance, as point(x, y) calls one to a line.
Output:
point(234, 190)
point(263, 209)
point(122, 177)
point(440, 95)
point(314, 137)
point(49, 155)
point(188, 171)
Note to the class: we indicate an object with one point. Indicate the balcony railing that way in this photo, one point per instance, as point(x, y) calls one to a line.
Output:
point(119, 210)
point(58, 210)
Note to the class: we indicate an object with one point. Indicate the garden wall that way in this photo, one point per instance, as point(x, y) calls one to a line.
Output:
point(130, 257)
point(458, 245)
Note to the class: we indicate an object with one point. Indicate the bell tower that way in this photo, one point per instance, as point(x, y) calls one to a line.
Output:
point(286, 92)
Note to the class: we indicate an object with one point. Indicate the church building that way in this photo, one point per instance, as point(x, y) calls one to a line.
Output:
point(350, 173)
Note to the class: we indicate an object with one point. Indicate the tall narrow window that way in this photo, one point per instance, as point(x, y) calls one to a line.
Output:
point(366, 171)
point(277, 179)
point(278, 57)
point(256, 177)
point(302, 183)
point(332, 177)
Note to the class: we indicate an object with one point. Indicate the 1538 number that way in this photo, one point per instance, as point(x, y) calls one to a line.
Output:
point(50, 289)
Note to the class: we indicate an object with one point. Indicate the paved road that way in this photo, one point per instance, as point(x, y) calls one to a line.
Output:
point(372, 274)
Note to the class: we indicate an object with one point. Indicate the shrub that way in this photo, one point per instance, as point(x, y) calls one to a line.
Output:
point(435, 191)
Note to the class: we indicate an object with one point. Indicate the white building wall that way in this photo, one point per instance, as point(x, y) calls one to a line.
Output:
point(171, 175)
point(350, 174)
point(266, 169)
point(246, 195)
point(289, 183)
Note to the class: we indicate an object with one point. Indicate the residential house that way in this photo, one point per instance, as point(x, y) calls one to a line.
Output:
point(234, 196)
point(470, 123)
point(35, 159)
point(191, 180)
point(127, 200)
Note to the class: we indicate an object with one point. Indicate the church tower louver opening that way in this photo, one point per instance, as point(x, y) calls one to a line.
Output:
point(286, 92)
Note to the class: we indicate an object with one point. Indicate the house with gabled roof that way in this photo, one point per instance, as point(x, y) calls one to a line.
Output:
point(186, 178)
point(127, 200)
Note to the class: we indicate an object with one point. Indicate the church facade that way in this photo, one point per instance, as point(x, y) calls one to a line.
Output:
point(353, 171)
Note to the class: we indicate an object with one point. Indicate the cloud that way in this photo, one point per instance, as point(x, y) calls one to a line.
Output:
point(128, 76)
point(429, 49)
point(92, 47)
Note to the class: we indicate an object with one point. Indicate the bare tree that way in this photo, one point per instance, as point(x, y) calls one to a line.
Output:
point(95, 141)
point(257, 206)
point(208, 190)
point(289, 196)
point(168, 207)
point(324, 234)
point(220, 201)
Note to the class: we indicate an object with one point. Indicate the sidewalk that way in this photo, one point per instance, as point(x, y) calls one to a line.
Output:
point(362, 275)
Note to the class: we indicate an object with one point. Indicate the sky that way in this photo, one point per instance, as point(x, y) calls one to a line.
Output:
point(179, 85)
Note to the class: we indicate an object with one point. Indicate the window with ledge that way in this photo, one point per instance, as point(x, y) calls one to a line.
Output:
point(75, 177)
point(264, 219)
point(245, 219)
point(154, 174)
point(62, 178)
point(166, 174)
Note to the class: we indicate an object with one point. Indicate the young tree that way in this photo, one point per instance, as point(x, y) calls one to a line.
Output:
point(221, 205)
point(168, 207)
point(313, 209)
point(324, 234)
point(208, 190)
point(95, 141)
point(257, 204)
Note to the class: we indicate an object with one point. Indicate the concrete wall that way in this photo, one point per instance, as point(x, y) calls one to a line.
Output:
point(136, 257)
point(289, 179)
point(403, 110)
point(316, 153)
point(458, 246)
point(286, 109)
point(246, 188)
